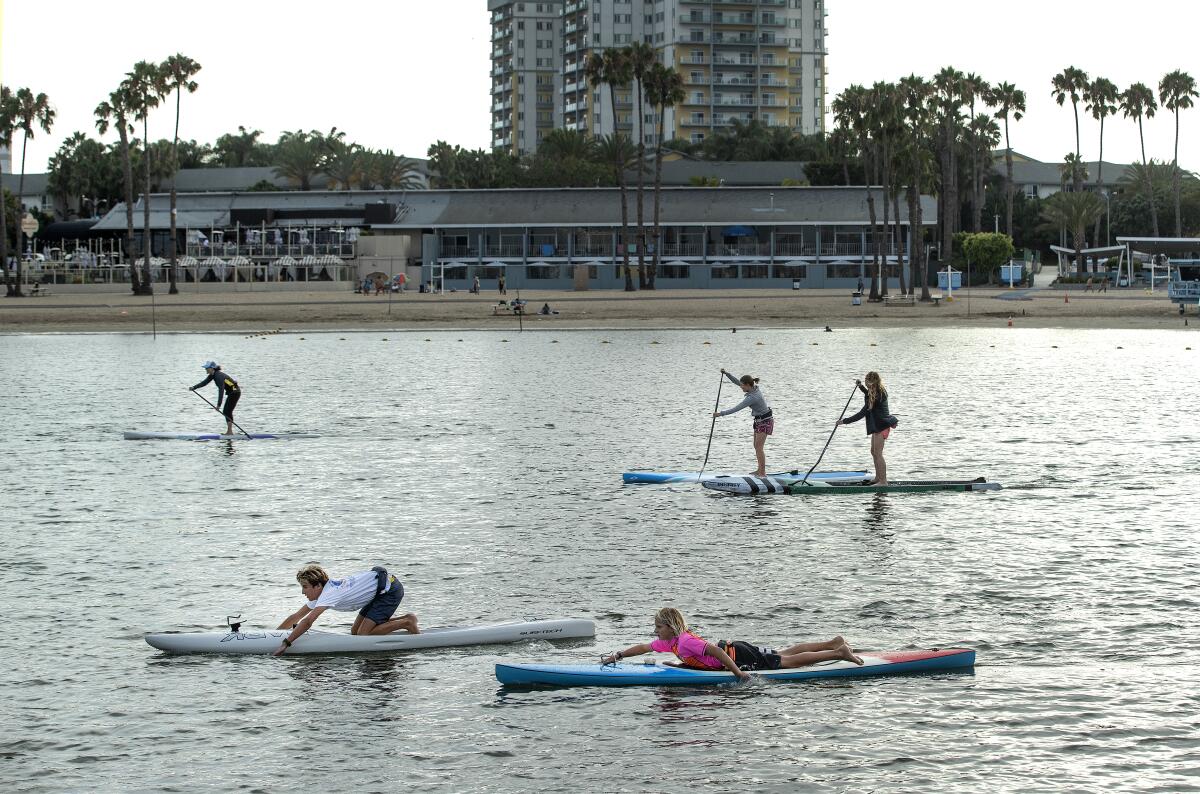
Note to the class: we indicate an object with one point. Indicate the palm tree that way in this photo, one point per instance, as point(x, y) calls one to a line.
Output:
point(613, 70)
point(389, 171)
point(947, 101)
point(985, 137)
point(242, 149)
point(1175, 92)
point(178, 71)
point(975, 87)
point(32, 111)
point(1073, 211)
point(617, 150)
point(444, 163)
point(116, 111)
point(146, 84)
point(8, 128)
point(1010, 103)
point(342, 160)
point(1138, 102)
point(1071, 82)
point(851, 111)
point(300, 155)
point(666, 91)
point(1101, 98)
point(916, 163)
point(641, 57)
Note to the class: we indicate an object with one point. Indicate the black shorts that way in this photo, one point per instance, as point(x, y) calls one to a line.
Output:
point(751, 657)
point(230, 402)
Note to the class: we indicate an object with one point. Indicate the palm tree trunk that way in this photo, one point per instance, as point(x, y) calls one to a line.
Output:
point(127, 161)
point(1078, 181)
point(916, 234)
point(1149, 182)
point(874, 292)
point(148, 279)
point(899, 243)
point(885, 235)
point(947, 192)
point(1099, 183)
point(620, 166)
point(658, 195)
point(4, 240)
point(1008, 178)
point(16, 290)
point(174, 290)
point(641, 189)
point(1174, 178)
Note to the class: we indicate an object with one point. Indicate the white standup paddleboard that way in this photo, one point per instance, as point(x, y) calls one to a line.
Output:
point(264, 641)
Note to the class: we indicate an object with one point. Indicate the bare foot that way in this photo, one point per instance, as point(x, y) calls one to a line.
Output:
point(410, 623)
point(849, 655)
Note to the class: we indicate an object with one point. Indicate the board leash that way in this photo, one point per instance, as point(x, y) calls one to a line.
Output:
point(835, 427)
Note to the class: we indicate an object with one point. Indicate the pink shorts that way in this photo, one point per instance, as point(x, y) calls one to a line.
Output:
point(884, 433)
point(766, 426)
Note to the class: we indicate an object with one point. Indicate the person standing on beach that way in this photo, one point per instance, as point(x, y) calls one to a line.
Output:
point(227, 390)
point(764, 421)
point(500, 282)
point(880, 421)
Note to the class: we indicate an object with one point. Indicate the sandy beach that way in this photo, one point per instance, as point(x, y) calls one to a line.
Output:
point(258, 312)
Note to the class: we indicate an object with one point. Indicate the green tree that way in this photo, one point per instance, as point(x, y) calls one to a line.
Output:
point(617, 150)
point(243, 150)
point(1137, 102)
point(444, 166)
point(341, 162)
point(8, 128)
point(987, 251)
point(1009, 102)
point(916, 162)
point(177, 73)
point(1175, 92)
point(299, 156)
point(31, 112)
point(1073, 211)
point(947, 102)
point(117, 111)
point(1071, 83)
point(387, 171)
point(975, 88)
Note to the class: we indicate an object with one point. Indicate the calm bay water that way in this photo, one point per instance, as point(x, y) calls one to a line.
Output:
point(484, 468)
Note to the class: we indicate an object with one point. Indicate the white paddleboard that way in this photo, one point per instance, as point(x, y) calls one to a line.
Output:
point(144, 435)
point(264, 641)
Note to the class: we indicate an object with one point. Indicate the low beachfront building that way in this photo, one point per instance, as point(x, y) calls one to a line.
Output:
point(552, 238)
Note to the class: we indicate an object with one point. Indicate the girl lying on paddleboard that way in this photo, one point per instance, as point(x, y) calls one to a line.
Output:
point(735, 656)
point(880, 422)
point(764, 422)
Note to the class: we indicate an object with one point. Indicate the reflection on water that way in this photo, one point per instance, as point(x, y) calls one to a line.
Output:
point(487, 475)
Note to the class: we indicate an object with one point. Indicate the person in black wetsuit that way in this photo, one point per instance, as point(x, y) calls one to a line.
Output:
point(227, 390)
point(879, 421)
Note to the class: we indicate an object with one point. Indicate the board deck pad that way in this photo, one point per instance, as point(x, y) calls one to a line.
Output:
point(660, 477)
point(148, 435)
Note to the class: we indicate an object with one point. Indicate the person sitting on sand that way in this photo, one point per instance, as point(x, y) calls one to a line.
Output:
point(735, 656)
point(375, 593)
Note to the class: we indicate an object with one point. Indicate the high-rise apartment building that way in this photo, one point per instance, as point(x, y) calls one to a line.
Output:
point(739, 59)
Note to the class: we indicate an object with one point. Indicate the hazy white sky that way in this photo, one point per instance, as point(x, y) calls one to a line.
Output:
point(401, 74)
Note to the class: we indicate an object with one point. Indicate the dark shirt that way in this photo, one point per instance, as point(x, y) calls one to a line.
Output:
point(225, 383)
point(878, 417)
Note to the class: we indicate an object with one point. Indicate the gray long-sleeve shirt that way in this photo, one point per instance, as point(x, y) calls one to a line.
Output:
point(755, 400)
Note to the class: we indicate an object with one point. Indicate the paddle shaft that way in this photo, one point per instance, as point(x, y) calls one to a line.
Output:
point(218, 410)
point(835, 427)
point(716, 408)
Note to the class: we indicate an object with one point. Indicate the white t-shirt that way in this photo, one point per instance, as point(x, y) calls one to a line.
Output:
point(347, 593)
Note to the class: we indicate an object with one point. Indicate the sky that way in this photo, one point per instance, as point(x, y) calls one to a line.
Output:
point(402, 74)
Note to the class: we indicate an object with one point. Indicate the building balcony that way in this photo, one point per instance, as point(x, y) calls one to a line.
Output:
point(741, 102)
point(694, 60)
point(696, 19)
point(697, 80)
point(734, 81)
point(693, 121)
point(772, 22)
point(734, 39)
point(720, 18)
point(700, 101)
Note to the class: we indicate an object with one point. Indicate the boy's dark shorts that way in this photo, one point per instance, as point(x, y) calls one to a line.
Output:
point(381, 608)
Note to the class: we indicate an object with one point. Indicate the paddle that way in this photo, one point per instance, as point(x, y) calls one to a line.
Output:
point(716, 408)
point(835, 427)
point(218, 410)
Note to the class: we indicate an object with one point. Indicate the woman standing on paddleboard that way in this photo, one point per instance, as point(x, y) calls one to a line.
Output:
point(736, 656)
point(764, 422)
point(227, 390)
point(879, 421)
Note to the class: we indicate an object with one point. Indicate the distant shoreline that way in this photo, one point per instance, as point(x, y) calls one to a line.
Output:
point(261, 312)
